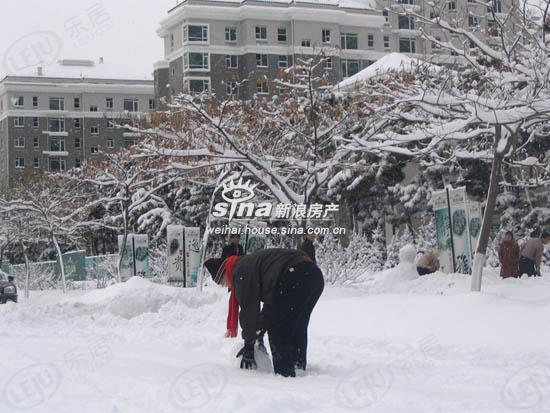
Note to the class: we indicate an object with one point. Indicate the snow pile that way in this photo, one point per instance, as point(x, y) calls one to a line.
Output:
point(395, 62)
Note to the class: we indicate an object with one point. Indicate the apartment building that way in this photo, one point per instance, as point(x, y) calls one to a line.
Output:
point(214, 44)
point(54, 118)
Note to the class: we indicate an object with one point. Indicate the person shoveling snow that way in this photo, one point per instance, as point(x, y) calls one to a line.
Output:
point(289, 284)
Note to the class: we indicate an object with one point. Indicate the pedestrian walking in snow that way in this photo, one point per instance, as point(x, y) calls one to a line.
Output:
point(289, 284)
point(508, 255)
point(428, 263)
point(308, 247)
point(531, 254)
point(234, 247)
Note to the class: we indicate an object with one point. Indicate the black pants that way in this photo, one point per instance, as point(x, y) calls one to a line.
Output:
point(287, 320)
point(424, 271)
point(527, 266)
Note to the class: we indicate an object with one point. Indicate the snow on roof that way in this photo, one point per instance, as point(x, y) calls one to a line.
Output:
point(82, 69)
point(391, 62)
point(352, 4)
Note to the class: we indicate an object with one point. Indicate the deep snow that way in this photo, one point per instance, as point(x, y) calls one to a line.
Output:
point(405, 345)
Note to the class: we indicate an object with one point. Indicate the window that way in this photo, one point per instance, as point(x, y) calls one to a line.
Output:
point(406, 22)
point(35, 163)
point(110, 143)
point(261, 60)
point(57, 145)
point(19, 163)
point(35, 102)
point(261, 87)
point(282, 61)
point(349, 67)
point(261, 33)
point(230, 88)
point(19, 122)
point(327, 64)
point(306, 43)
point(231, 61)
point(57, 165)
point(109, 103)
point(94, 130)
point(94, 149)
point(407, 45)
point(325, 36)
point(348, 40)
point(451, 4)
point(198, 85)
point(195, 61)
point(57, 104)
point(18, 101)
point(386, 42)
point(76, 103)
point(495, 5)
point(436, 45)
point(77, 123)
point(172, 42)
point(472, 20)
point(405, 1)
point(93, 108)
point(152, 104)
point(281, 34)
point(370, 40)
point(195, 33)
point(131, 105)
point(19, 142)
point(230, 34)
point(386, 15)
point(77, 143)
point(56, 125)
point(35, 123)
point(110, 125)
point(77, 163)
point(35, 142)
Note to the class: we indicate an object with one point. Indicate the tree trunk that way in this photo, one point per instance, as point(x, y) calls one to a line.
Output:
point(61, 264)
point(27, 275)
point(122, 248)
point(483, 242)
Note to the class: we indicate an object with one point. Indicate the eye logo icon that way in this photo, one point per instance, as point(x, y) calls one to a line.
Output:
point(237, 193)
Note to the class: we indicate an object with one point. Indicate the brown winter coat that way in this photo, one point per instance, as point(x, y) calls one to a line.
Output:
point(533, 250)
point(508, 255)
point(429, 261)
point(255, 278)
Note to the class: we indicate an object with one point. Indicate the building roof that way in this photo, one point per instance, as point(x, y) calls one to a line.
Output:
point(82, 70)
point(355, 4)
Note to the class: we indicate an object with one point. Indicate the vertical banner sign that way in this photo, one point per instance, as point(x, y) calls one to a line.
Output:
point(443, 230)
point(474, 225)
point(255, 237)
point(175, 253)
point(127, 251)
point(460, 230)
point(141, 255)
point(192, 239)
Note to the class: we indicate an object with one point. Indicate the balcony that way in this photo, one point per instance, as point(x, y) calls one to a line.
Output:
point(131, 134)
point(56, 133)
point(56, 153)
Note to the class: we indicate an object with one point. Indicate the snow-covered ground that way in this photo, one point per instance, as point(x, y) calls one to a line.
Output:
point(423, 345)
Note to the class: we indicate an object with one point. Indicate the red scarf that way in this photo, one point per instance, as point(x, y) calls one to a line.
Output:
point(233, 311)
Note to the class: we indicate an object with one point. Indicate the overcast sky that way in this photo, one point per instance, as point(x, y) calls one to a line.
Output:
point(120, 31)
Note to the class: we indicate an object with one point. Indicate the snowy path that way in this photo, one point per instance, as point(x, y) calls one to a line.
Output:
point(421, 346)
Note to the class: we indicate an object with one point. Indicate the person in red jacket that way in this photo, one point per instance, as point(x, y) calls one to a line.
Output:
point(508, 255)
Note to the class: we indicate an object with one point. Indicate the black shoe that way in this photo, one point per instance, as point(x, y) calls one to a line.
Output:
point(300, 365)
